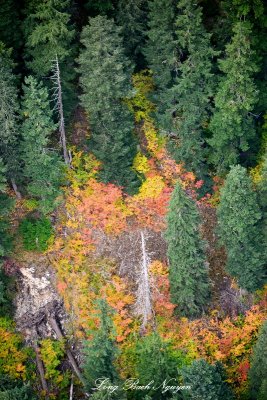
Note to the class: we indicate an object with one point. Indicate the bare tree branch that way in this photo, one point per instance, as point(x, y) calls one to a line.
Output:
point(57, 97)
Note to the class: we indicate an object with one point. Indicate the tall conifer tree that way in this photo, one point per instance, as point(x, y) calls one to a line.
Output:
point(131, 16)
point(258, 370)
point(189, 280)
point(207, 381)
point(193, 87)
point(10, 25)
point(160, 51)
point(232, 124)
point(42, 166)
point(163, 365)
point(8, 115)
point(49, 35)
point(100, 355)
point(105, 80)
point(240, 231)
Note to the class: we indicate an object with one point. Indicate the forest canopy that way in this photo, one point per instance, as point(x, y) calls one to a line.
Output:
point(133, 202)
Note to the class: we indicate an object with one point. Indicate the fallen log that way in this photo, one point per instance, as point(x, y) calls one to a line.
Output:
point(71, 359)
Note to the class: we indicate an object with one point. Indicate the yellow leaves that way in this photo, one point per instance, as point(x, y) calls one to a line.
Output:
point(157, 268)
point(154, 142)
point(151, 188)
point(119, 299)
point(12, 356)
point(139, 104)
point(51, 353)
point(256, 173)
point(84, 167)
point(140, 163)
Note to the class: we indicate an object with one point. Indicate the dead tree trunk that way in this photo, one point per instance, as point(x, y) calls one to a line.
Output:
point(71, 359)
point(40, 367)
point(15, 188)
point(71, 389)
point(143, 302)
point(59, 106)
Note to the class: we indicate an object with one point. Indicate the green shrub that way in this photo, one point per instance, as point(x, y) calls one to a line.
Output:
point(36, 233)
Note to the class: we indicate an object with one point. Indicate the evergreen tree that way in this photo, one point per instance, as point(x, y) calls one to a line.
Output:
point(262, 190)
point(258, 369)
point(10, 24)
point(239, 219)
point(152, 351)
point(5, 207)
point(100, 354)
point(15, 390)
point(189, 280)
point(131, 16)
point(96, 7)
point(232, 124)
point(160, 49)
point(207, 381)
point(8, 114)
point(42, 166)
point(160, 52)
point(105, 80)
point(192, 88)
point(256, 13)
point(49, 35)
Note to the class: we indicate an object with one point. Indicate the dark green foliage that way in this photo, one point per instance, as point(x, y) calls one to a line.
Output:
point(7, 290)
point(105, 80)
point(8, 114)
point(131, 16)
point(96, 7)
point(5, 207)
point(15, 390)
point(161, 52)
point(36, 233)
point(192, 89)
point(5, 237)
point(258, 369)
point(101, 352)
point(48, 33)
point(232, 124)
point(240, 231)
point(42, 166)
point(160, 49)
point(207, 382)
point(156, 363)
point(252, 9)
point(189, 282)
point(262, 191)
point(10, 24)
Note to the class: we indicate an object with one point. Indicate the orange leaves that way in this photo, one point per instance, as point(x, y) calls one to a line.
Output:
point(150, 205)
point(120, 299)
point(100, 206)
point(243, 370)
point(12, 357)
